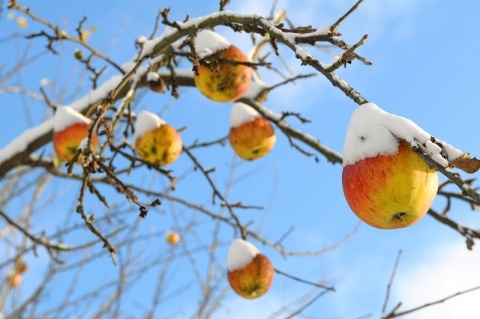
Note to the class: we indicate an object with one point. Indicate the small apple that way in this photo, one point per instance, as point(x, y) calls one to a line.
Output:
point(70, 128)
point(250, 273)
point(172, 237)
point(386, 184)
point(14, 279)
point(156, 141)
point(223, 79)
point(22, 22)
point(155, 82)
point(251, 135)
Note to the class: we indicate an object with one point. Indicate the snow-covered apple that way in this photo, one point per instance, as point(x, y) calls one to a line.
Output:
point(223, 79)
point(250, 273)
point(70, 128)
point(251, 135)
point(156, 141)
point(386, 184)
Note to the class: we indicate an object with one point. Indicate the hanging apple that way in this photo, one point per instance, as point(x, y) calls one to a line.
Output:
point(223, 79)
point(250, 273)
point(156, 141)
point(251, 135)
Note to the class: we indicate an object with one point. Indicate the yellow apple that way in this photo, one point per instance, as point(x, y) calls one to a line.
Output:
point(66, 142)
point(223, 81)
point(172, 237)
point(156, 141)
point(250, 273)
point(390, 191)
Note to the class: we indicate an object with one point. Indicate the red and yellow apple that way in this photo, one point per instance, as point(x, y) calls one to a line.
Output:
point(251, 135)
point(70, 129)
point(250, 273)
point(156, 141)
point(390, 191)
point(221, 76)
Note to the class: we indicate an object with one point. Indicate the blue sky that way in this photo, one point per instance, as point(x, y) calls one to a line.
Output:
point(424, 68)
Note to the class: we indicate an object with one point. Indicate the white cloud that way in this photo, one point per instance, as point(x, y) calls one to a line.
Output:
point(441, 272)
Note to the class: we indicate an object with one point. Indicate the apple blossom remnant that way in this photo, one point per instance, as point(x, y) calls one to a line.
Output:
point(372, 132)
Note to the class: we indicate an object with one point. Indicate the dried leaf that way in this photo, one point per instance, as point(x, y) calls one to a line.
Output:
point(466, 164)
point(470, 243)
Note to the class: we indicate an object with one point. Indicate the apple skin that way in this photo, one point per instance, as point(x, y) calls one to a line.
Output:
point(254, 280)
point(160, 146)
point(252, 140)
point(67, 141)
point(392, 191)
point(228, 82)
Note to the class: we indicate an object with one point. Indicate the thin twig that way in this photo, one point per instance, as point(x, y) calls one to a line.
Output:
point(389, 286)
point(318, 285)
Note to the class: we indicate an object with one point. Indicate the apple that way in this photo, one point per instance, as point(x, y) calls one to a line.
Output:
point(250, 273)
point(386, 184)
point(156, 141)
point(390, 191)
point(251, 135)
point(172, 237)
point(14, 279)
point(70, 128)
point(221, 79)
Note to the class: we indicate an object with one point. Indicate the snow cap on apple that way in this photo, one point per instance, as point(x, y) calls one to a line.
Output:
point(70, 128)
point(250, 273)
point(146, 121)
point(156, 141)
point(67, 116)
point(372, 132)
point(240, 254)
point(208, 42)
point(386, 184)
point(251, 135)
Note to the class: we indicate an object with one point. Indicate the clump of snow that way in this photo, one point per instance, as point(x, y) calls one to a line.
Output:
point(146, 121)
point(153, 76)
point(128, 66)
point(242, 113)
point(141, 39)
point(83, 144)
point(240, 254)
point(372, 132)
point(66, 116)
point(208, 42)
